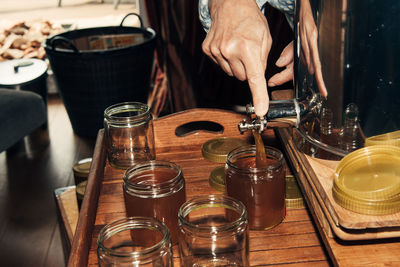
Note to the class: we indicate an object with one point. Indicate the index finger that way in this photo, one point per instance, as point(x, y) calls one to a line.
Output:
point(257, 83)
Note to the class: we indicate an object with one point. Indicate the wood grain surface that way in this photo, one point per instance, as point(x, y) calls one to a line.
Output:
point(294, 242)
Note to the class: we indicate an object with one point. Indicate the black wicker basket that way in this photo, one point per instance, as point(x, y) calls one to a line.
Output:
point(91, 80)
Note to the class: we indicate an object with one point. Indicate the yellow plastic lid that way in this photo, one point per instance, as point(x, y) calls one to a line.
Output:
point(217, 149)
point(370, 173)
point(392, 138)
point(293, 196)
point(358, 198)
point(366, 207)
point(217, 178)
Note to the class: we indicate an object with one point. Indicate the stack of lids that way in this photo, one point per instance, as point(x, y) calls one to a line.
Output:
point(293, 196)
point(367, 181)
point(81, 172)
point(216, 150)
point(392, 138)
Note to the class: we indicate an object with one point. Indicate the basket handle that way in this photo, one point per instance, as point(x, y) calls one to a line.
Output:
point(135, 14)
point(60, 39)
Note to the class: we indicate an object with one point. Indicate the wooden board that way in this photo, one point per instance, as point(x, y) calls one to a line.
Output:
point(369, 247)
point(346, 224)
point(294, 242)
point(384, 225)
point(69, 211)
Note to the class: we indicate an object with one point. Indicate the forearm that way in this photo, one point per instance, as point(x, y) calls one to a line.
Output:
point(204, 11)
point(286, 6)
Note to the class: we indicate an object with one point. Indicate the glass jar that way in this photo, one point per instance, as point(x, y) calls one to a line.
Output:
point(155, 189)
point(350, 137)
point(328, 134)
point(135, 241)
point(128, 129)
point(213, 231)
point(262, 190)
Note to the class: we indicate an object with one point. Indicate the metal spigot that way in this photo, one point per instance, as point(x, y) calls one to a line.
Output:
point(259, 124)
point(255, 123)
point(281, 111)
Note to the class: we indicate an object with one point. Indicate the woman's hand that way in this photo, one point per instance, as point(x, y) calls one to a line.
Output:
point(309, 52)
point(239, 41)
point(309, 45)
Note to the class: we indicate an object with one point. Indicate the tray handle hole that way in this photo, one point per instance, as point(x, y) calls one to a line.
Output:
point(197, 126)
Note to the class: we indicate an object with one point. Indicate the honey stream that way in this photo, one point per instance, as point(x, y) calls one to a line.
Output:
point(261, 158)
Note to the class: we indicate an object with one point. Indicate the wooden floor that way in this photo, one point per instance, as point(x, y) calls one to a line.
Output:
point(29, 227)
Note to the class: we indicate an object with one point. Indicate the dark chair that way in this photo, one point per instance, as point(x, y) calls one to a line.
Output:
point(21, 113)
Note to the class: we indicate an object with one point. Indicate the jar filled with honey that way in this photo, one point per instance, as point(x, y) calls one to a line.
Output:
point(261, 189)
point(155, 189)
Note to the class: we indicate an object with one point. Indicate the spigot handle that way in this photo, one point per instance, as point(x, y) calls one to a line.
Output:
point(259, 124)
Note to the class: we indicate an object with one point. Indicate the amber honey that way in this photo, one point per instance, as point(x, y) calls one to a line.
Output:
point(261, 158)
point(262, 190)
point(155, 189)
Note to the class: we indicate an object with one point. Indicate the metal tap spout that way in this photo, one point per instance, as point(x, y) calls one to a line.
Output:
point(281, 111)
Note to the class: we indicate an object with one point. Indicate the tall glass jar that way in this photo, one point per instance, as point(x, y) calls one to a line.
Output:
point(262, 190)
point(129, 134)
point(155, 189)
point(213, 231)
point(135, 241)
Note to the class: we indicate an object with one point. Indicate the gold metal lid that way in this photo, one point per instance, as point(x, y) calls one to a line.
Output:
point(82, 168)
point(80, 190)
point(293, 197)
point(217, 178)
point(217, 149)
point(392, 138)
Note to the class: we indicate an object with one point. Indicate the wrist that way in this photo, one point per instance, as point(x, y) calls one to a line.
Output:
point(213, 6)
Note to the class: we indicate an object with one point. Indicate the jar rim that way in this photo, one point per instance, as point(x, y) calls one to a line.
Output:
point(213, 201)
point(130, 223)
point(111, 112)
point(162, 187)
point(276, 153)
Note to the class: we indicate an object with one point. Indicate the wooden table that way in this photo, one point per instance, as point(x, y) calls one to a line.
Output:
point(294, 242)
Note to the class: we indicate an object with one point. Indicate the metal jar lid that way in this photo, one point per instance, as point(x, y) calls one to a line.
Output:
point(82, 168)
point(217, 178)
point(217, 149)
point(293, 196)
point(21, 71)
point(80, 190)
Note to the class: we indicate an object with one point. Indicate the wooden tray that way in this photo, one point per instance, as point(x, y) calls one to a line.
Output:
point(382, 226)
point(294, 242)
point(369, 242)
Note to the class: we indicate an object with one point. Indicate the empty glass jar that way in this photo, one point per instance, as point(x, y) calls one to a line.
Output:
point(128, 134)
point(213, 231)
point(135, 241)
